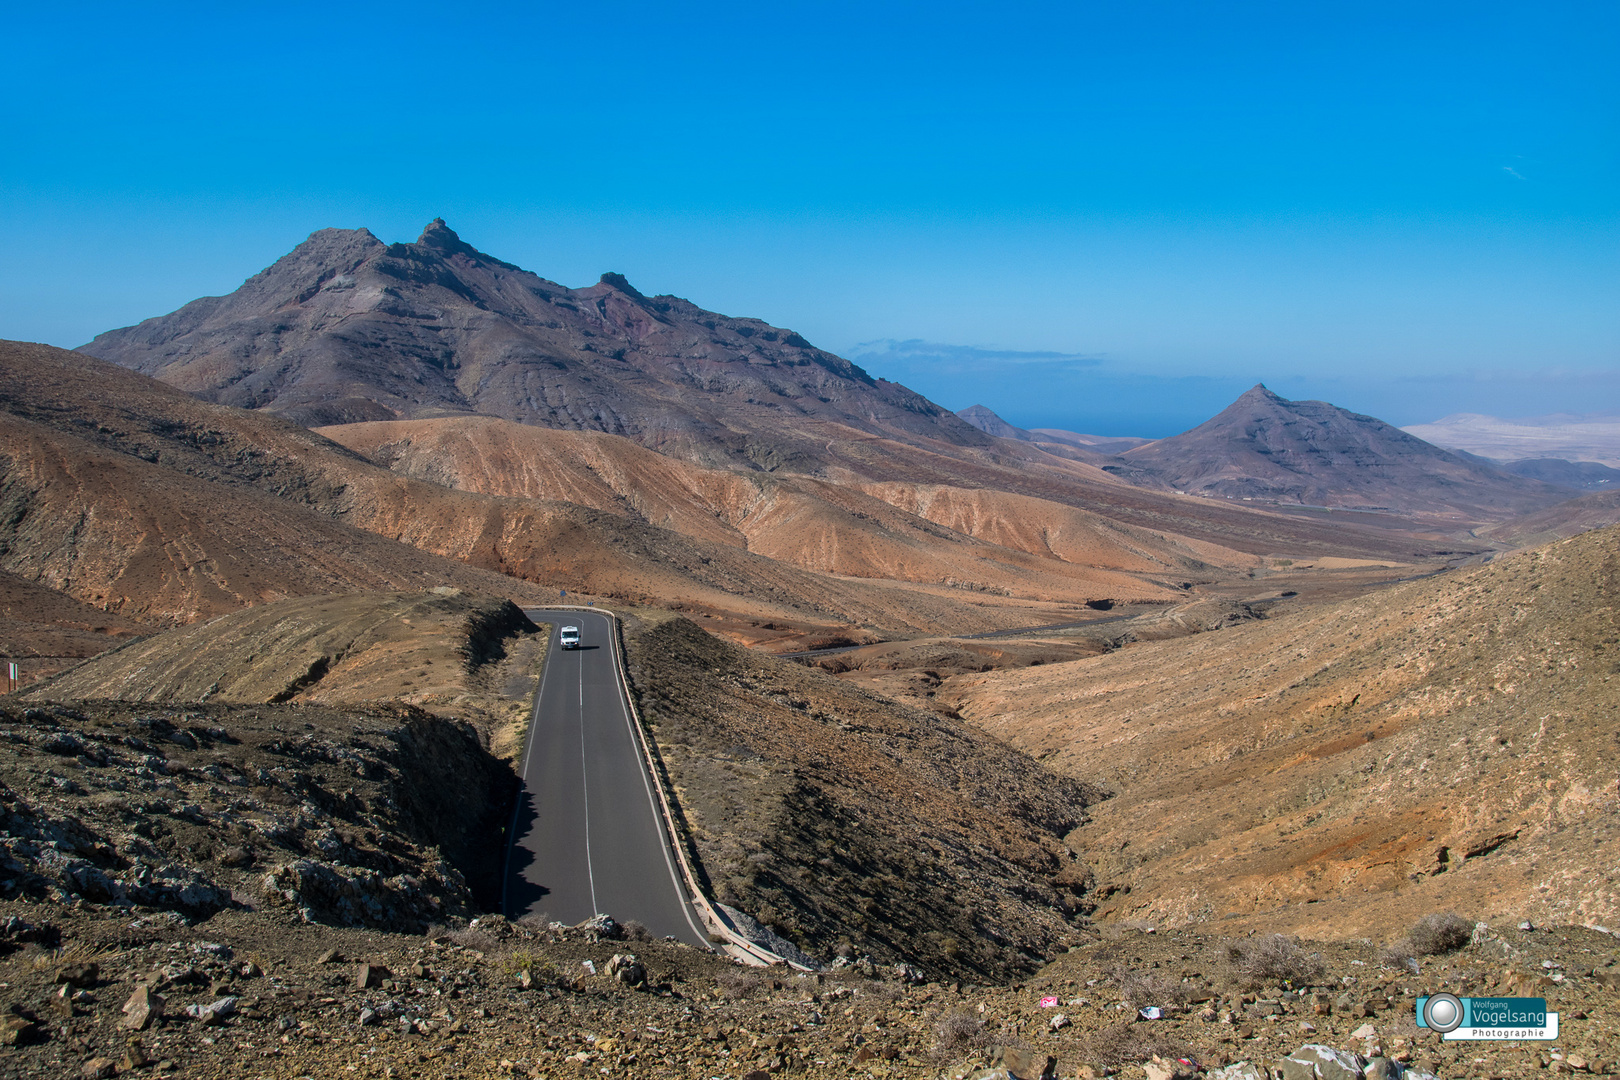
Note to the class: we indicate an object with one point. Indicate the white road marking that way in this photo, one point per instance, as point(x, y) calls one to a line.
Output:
point(584, 783)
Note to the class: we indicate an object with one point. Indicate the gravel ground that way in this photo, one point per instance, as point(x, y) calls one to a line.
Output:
point(487, 998)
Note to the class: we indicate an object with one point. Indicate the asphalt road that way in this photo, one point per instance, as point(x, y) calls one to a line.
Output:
point(587, 837)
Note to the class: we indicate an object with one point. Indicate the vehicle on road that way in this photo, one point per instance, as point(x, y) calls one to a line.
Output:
point(569, 637)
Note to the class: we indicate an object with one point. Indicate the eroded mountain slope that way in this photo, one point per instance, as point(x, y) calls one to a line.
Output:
point(873, 530)
point(129, 494)
point(346, 328)
point(1442, 744)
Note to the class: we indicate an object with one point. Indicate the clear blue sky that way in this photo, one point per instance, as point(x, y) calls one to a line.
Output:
point(1106, 216)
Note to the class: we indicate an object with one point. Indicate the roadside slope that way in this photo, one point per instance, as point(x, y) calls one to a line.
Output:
point(844, 820)
point(1442, 744)
point(453, 653)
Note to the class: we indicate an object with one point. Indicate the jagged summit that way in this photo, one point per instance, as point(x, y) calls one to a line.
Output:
point(442, 238)
point(345, 328)
point(621, 283)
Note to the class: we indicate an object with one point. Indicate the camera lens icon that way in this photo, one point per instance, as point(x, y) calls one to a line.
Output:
point(1443, 1013)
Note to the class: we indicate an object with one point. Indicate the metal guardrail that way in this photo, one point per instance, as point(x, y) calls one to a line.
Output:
point(737, 946)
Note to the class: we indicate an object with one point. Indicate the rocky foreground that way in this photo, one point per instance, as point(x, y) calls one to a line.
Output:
point(96, 991)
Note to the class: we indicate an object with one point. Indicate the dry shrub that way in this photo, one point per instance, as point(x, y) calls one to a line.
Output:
point(477, 940)
point(958, 1032)
point(636, 931)
point(1130, 1043)
point(1399, 955)
point(1273, 958)
point(741, 983)
point(1142, 988)
point(1435, 935)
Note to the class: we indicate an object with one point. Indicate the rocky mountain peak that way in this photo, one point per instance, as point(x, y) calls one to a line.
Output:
point(1266, 448)
point(441, 238)
point(1258, 394)
point(622, 284)
point(345, 330)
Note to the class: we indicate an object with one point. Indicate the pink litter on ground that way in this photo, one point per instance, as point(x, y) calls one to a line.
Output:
point(1048, 1002)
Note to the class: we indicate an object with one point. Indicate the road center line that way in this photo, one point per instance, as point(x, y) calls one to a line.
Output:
point(585, 781)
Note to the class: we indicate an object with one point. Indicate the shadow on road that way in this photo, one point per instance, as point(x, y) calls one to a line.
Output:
point(523, 894)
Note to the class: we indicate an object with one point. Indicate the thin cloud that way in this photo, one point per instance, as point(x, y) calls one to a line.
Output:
point(916, 351)
point(1511, 171)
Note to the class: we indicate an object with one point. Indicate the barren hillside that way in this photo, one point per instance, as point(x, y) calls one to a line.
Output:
point(1595, 511)
point(44, 631)
point(842, 818)
point(1443, 744)
point(874, 530)
point(179, 509)
point(345, 329)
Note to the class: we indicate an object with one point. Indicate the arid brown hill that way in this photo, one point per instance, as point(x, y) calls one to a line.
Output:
point(1268, 449)
point(1566, 519)
point(981, 541)
point(347, 328)
point(471, 657)
point(133, 496)
point(1445, 744)
point(43, 630)
point(988, 422)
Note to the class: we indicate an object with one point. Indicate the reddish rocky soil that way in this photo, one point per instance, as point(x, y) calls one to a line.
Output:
point(491, 999)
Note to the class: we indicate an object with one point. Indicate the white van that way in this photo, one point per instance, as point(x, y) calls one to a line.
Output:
point(569, 637)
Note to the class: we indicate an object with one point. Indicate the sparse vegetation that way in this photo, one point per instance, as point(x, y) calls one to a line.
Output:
point(1128, 1043)
point(1144, 988)
point(1435, 935)
point(1272, 958)
point(741, 984)
point(957, 1032)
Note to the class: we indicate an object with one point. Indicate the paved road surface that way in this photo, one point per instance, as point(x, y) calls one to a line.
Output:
point(587, 837)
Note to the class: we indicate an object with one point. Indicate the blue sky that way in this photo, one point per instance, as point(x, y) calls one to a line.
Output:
point(1110, 217)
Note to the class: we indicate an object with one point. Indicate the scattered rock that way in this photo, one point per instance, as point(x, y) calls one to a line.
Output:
point(601, 928)
point(214, 1012)
point(367, 976)
point(16, 1030)
point(99, 1068)
point(1159, 1068)
point(627, 969)
point(1315, 1062)
point(80, 975)
point(142, 1009)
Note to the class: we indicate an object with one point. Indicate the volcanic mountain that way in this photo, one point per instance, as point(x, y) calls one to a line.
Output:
point(1265, 448)
point(346, 328)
